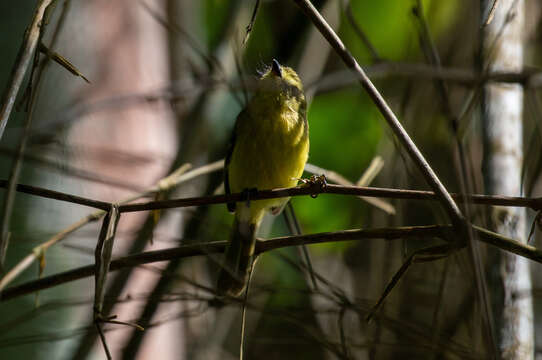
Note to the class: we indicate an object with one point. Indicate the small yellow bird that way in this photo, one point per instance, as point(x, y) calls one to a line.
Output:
point(269, 149)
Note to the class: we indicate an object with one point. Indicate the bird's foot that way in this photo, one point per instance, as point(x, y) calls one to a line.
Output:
point(318, 182)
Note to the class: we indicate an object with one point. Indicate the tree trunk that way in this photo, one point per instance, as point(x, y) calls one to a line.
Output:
point(502, 110)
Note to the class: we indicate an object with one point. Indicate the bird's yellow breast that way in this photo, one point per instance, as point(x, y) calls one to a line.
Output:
point(270, 151)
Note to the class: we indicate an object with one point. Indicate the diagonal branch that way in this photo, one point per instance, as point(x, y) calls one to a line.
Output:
point(446, 200)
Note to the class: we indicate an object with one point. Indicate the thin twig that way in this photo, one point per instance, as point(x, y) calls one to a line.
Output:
point(62, 61)
point(340, 324)
point(11, 184)
point(32, 36)
point(371, 172)
point(125, 323)
point(104, 342)
point(252, 21)
point(418, 71)
point(486, 20)
point(361, 34)
point(38, 251)
point(295, 229)
point(244, 310)
point(417, 256)
point(210, 61)
point(102, 257)
point(436, 311)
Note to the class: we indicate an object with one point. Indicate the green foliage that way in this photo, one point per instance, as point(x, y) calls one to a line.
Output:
point(344, 131)
point(391, 27)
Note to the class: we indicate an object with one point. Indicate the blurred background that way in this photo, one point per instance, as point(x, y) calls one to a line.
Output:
point(165, 88)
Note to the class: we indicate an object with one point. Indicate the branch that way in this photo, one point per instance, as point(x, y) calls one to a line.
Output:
point(429, 231)
point(57, 195)
point(177, 177)
point(124, 262)
point(316, 188)
point(313, 189)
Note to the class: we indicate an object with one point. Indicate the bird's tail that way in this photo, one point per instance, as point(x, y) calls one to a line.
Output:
point(233, 276)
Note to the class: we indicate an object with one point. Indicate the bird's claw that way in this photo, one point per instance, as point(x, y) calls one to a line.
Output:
point(318, 182)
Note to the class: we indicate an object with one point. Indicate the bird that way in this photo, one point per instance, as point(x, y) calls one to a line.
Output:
point(268, 149)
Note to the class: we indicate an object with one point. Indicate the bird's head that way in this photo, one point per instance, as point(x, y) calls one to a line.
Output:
point(281, 80)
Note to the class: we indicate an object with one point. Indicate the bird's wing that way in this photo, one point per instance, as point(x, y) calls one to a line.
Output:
point(231, 146)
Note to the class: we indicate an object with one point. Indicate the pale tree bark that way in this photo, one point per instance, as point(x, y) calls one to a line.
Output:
point(502, 112)
point(135, 143)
